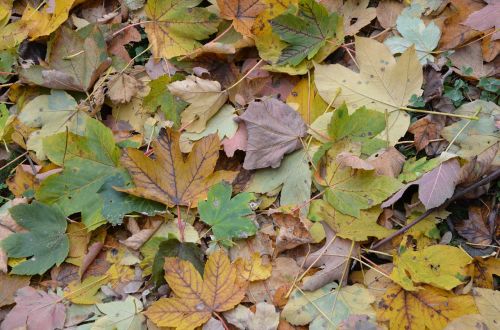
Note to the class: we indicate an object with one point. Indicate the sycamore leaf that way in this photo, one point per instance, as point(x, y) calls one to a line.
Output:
point(170, 179)
point(177, 26)
point(45, 242)
point(227, 216)
point(477, 135)
point(52, 113)
point(346, 226)
point(252, 269)
point(486, 18)
point(328, 306)
point(414, 32)
point(75, 59)
point(305, 33)
point(442, 266)
point(383, 84)
point(242, 13)
point(121, 315)
point(35, 309)
point(264, 318)
point(427, 308)
point(274, 129)
point(293, 176)
point(195, 299)
point(205, 98)
point(488, 302)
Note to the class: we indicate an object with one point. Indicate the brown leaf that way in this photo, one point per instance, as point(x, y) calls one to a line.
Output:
point(491, 49)
point(117, 45)
point(141, 236)
point(346, 159)
point(170, 179)
point(436, 186)
point(293, 232)
point(486, 18)
point(274, 129)
point(333, 257)
point(424, 130)
point(122, 87)
point(36, 310)
point(242, 13)
point(453, 32)
point(483, 270)
point(471, 56)
point(10, 284)
point(475, 229)
point(237, 142)
point(388, 12)
point(389, 162)
point(478, 166)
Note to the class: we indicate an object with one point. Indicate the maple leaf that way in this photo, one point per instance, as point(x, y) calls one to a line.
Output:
point(439, 265)
point(241, 12)
point(227, 216)
point(177, 25)
point(274, 129)
point(46, 241)
point(195, 299)
point(383, 84)
point(428, 308)
point(171, 180)
point(36, 309)
point(305, 33)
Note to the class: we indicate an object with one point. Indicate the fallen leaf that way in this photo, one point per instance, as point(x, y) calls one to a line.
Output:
point(84, 293)
point(356, 15)
point(195, 298)
point(264, 318)
point(328, 306)
point(205, 98)
point(141, 236)
point(237, 142)
point(274, 129)
point(226, 216)
point(388, 12)
point(122, 87)
point(378, 85)
point(252, 269)
point(10, 284)
point(46, 241)
point(436, 186)
point(485, 18)
point(293, 231)
point(189, 180)
point(471, 57)
point(483, 271)
point(334, 256)
point(306, 99)
point(439, 265)
point(47, 20)
point(487, 304)
point(121, 315)
point(470, 321)
point(455, 33)
point(429, 308)
point(475, 228)
point(388, 162)
point(36, 310)
point(305, 33)
point(177, 26)
point(424, 131)
point(242, 13)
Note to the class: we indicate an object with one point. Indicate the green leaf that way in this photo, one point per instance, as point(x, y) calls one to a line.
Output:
point(305, 33)
point(46, 240)
point(294, 176)
point(7, 61)
point(349, 227)
point(173, 248)
point(227, 215)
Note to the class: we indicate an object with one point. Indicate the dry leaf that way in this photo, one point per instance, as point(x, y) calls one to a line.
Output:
point(122, 88)
point(475, 229)
point(242, 13)
point(293, 232)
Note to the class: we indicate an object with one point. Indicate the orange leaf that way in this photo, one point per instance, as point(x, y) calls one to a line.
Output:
point(242, 13)
point(171, 180)
point(195, 299)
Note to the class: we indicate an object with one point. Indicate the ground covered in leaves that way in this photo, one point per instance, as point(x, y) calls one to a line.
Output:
point(249, 164)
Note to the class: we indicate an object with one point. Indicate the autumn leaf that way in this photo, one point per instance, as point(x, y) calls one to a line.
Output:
point(383, 84)
point(177, 26)
point(195, 298)
point(126, 314)
point(487, 304)
point(226, 216)
point(171, 180)
point(264, 318)
point(484, 271)
point(485, 18)
point(252, 269)
point(429, 308)
point(241, 12)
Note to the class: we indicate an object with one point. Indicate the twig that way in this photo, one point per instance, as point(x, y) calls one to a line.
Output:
point(453, 198)
point(180, 224)
point(246, 75)
point(221, 321)
point(12, 161)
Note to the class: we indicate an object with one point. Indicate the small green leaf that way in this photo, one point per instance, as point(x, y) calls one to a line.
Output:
point(46, 240)
point(362, 125)
point(227, 216)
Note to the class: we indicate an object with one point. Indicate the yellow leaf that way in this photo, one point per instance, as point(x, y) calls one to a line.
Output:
point(442, 266)
point(483, 270)
point(383, 84)
point(241, 12)
point(428, 308)
point(47, 20)
point(310, 104)
point(195, 299)
point(205, 98)
point(170, 179)
point(13, 34)
point(253, 269)
point(488, 303)
point(78, 241)
point(84, 292)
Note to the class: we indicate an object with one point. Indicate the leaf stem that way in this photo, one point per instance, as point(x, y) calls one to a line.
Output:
point(129, 26)
point(221, 321)
point(246, 75)
point(461, 130)
point(180, 225)
point(439, 113)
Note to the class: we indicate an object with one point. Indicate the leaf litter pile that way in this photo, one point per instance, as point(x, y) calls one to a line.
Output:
point(249, 164)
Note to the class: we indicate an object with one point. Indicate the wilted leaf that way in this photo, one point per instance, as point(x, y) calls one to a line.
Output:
point(36, 310)
point(274, 129)
point(46, 241)
point(195, 298)
point(226, 216)
point(428, 308)
point(383, 84)
point(439, 265)
point(264, 318)
point(177, 26)
point(188, 179)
